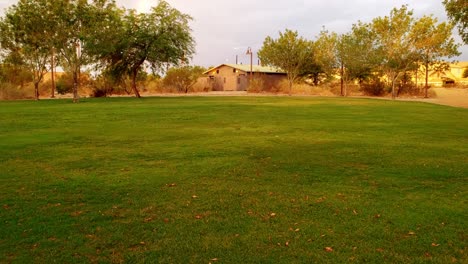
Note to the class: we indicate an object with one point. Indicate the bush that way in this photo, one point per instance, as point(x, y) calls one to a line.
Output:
point(256, 85)
point(64, 84)
point(374, 88)
point(183, 79)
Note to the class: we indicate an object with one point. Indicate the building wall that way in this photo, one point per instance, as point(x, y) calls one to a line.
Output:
point(226, 78)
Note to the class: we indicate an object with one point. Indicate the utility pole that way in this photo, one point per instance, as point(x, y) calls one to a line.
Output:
point(249, 52)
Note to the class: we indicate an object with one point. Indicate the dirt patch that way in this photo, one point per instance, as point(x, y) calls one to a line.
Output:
point(452, 96)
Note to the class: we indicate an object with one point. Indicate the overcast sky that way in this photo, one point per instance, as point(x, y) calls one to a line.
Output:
point(226, 28)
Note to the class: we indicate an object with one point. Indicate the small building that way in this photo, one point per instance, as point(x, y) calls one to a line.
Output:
point(453, 75)
point(235, 77)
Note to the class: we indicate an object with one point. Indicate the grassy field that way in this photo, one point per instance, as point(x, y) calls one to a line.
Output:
point(233, 180)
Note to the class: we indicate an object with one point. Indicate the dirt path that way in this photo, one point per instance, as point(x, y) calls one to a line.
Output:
point(451, 96)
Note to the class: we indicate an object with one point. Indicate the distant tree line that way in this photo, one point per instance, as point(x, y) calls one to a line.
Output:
point(36, 36)
point(383, 52)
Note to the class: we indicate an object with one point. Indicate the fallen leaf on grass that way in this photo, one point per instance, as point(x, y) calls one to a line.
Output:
point(321, 199)
point(171, 185)
point(149, 219)
point(194, 196)
point(355, 212)
point(198, 217)
point(6, 207)
point(377, 216)
point(287, 243)
point(214, 259)
point(380, 250)
point(297, 230)
point(328, 249)
point(435, 245)
point(77, 213)
point(411, 233)
point(272, 214)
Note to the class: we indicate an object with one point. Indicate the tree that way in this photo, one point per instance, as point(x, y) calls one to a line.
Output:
point(80, 24)
point(356, 52)
point(325, 55)
point(394, 43)
point(161, 37)
point(457, 11)
point(433, 42)
point(27, 30)
point(183, 78)
point(289, 52)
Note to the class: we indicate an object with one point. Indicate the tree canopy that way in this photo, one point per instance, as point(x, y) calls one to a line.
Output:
point(289, 52)
point(83, 32)
point(457, 11)
point(161, 37)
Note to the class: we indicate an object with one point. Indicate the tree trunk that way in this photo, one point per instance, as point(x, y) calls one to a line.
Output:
point(290, 87)
point(417, 69)
point(52, 75)
point(342, 81)
point(426, 87)
point(134, 86)
point(75, 87)
point(36, 91)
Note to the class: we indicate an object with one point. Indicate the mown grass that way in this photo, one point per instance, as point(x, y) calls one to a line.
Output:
point(233, 180)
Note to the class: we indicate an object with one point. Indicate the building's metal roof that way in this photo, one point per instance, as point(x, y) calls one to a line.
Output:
point(246, 68)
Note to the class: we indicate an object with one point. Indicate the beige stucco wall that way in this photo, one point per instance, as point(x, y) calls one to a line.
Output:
point(226, 79)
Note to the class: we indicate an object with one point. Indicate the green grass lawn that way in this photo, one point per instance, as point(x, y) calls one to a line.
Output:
point(233, 180)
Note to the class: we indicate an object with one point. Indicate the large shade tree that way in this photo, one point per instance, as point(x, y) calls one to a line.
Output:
point(356, 51)
point(81, 23)
point(290, 52)
point(433, 42)
point(394, 43)
point(159, 38)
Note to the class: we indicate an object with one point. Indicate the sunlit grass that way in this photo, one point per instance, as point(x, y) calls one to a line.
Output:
point(232, 180)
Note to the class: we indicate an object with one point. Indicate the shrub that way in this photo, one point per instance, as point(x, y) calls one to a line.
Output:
point(184, 78)
point(64, 84)
point(374, 88)
point(256, 85)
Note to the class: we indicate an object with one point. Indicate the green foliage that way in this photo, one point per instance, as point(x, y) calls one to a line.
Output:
point(325, 54)
point(159, 38)
point(457, 11)
point(357, 52)
point(27, 31)
point(289, 52)
point(374, 88)
point(239, 179)
point(183, 78)
point(64, 84)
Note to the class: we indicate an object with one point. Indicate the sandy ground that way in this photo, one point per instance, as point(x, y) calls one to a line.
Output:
point(450, 96)
point(456, 97)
